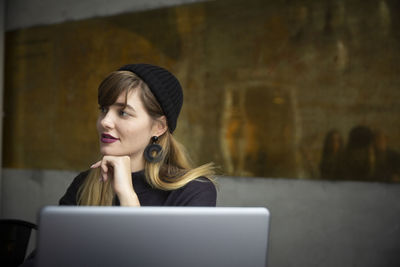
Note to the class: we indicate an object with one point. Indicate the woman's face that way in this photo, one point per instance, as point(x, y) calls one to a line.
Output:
point(125, 131)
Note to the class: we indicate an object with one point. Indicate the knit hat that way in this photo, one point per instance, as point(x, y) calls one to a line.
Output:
point(164, 86)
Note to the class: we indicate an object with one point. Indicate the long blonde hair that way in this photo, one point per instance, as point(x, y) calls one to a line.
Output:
point(173, 171)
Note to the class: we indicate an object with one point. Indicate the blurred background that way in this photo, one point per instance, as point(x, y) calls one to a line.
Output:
point(295, 89)
point(298, 102)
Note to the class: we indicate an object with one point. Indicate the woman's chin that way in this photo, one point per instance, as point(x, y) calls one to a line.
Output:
point(111, 152)
point(108, 152)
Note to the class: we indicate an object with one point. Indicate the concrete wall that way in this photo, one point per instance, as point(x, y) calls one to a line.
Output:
point(323, 223)
point(26, 191)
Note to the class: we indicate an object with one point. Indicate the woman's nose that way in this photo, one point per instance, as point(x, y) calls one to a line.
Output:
point(107, 121)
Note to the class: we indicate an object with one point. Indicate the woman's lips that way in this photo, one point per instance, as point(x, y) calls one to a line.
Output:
point(107, 138)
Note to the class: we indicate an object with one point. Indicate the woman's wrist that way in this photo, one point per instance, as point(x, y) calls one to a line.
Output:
point(128, 199)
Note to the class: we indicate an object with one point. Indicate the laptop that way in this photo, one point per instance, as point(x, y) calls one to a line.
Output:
point(152, 236)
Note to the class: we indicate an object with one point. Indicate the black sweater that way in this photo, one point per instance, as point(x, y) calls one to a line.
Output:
point(199, 192)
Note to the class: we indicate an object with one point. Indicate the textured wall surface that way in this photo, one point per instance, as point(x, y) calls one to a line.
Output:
point(264, 81)
point(323, 223)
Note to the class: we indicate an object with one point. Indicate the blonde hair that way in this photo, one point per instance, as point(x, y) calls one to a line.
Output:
point(173, 171)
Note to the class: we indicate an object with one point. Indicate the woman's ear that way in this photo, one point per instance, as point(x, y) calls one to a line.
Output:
point(160, 126)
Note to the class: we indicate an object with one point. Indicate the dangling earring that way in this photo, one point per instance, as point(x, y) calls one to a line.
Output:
point(150, 149)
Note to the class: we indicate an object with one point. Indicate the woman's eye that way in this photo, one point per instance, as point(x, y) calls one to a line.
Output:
point(103, 109)
point(123, 113)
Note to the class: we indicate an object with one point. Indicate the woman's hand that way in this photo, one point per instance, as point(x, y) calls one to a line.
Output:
point(118, 170)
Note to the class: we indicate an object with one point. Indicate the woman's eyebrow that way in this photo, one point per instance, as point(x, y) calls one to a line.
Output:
point(126, 106)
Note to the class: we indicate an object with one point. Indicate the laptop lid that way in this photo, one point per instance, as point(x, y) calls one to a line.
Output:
point(152, 236)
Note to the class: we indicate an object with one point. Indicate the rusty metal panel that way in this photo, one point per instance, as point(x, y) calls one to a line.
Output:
point(265, 82)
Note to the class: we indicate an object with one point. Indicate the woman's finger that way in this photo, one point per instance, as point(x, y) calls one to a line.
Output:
point(104, 170)
point(106, 165)
point(96, 165)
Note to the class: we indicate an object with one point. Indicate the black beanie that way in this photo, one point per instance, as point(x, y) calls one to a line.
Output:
point(164, 86)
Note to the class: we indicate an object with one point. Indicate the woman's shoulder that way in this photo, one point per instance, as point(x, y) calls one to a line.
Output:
point(201, 182)
point(70, 196)
point(79, 179)
point(82, 175)
point(198, 192)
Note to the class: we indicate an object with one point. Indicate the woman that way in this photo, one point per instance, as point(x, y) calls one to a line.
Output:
point(141, 163)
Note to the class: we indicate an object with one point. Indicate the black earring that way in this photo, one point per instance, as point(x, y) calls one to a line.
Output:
point(150, 149)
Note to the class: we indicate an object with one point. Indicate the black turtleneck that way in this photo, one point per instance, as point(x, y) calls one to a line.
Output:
point(199, 192)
